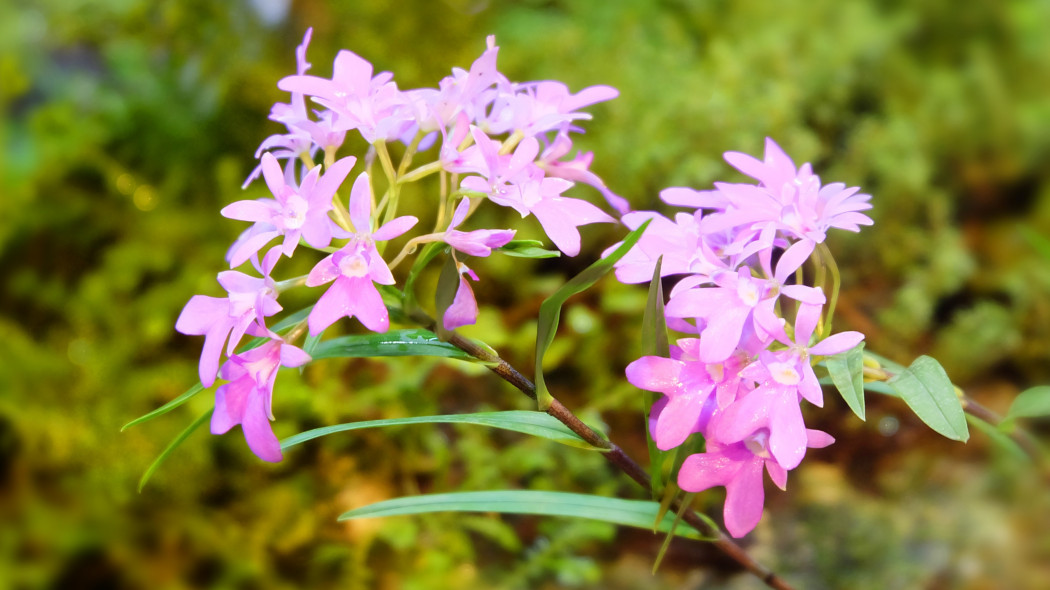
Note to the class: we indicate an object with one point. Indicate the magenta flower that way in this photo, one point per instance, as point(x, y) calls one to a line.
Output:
point(737, 301)
point(577, 170)
point(355, 268)
point(246, 399)
point(249, 300)
point(464, 308)
point(372, 105)
point(294, 212)
point(738, 468)
point(681, 243)
point(515, 181)
point(773, 407)
point(537, 107)
point(797, 359)
point(461, 93)
point(687, 385)
point(791, 199)
point(479, 242)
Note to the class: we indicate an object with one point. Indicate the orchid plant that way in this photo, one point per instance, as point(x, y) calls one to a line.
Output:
point(752, 302)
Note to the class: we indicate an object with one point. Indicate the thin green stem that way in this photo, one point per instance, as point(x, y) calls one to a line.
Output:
point(410, 152)
point(393, 190)
point(511, 142)
point(421, 172)
point(411, 246)
point(828, 261)
point(286, 284)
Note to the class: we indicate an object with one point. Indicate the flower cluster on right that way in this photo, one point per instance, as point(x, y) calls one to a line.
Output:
point(739, 376)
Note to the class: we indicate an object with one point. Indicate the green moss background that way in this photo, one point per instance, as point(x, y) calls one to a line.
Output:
point(126, 125)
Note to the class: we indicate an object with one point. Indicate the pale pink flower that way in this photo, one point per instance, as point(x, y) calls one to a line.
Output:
point(355, 268)
point(247, 398)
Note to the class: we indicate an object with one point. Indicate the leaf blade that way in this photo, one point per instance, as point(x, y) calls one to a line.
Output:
point(634, 513)
point(654, 343)
point(171, 405)
point(550, 309)
point(1031, 403)
point(928, 391)
point(411, 342)
point(527, 249)
point(174, 444)
point(847, 373)
point(524, 421)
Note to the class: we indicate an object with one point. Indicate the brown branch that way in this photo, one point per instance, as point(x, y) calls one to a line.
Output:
point(1018, 435)
point(612, 452)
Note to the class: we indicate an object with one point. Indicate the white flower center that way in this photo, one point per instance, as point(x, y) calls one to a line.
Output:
point(758, 443)
point(748, 292)
point(294, 214)
point(353, 265)
point(784, 373)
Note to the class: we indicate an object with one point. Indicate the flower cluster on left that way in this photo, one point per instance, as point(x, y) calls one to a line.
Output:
point(492, 141)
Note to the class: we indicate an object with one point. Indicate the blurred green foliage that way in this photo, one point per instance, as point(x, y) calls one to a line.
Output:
point(126, 125)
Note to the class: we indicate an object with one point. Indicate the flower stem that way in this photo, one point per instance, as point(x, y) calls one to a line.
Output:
point(411, 246)
point(836, 280)
point(421, 172)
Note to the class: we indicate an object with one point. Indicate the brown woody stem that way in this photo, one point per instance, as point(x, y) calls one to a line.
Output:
point(612, 452)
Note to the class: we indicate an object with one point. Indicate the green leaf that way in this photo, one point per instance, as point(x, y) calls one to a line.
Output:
point(526, 422)
point(415, 342)
point(527, 249)
point(881, 388)
point(283, 325)
point(654, 325)
point(185, 397)
point(429, 253)
point(174, 444)
point(997, 436)
point(654, 343)
point(687, 502)
point(928, 391)
point(1031, 403)
point(847, 373)
point(1038, 241)
point(636, 513)
point(448, 284)
point(550, 309)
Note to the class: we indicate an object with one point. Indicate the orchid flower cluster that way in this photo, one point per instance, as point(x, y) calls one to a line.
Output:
point(737, 376)
point(493, 141)
point(741, 373)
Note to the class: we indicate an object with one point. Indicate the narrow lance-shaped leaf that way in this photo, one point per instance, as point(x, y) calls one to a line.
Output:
point(171, 405)
point(448, 283)
point(174, 444)
point(636, 513)
point(429, 253)
point(550, 309)
point(526, 422)
point(847, 373)
point(928, 391)
point(527, 249)
point(414, 342)
point(654, 343)
point(686, 504)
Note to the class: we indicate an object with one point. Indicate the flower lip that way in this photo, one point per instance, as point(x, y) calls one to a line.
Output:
point(352, 264)
point(758, 443)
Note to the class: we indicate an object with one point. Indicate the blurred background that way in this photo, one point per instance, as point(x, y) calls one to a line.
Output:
point(126, 125)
